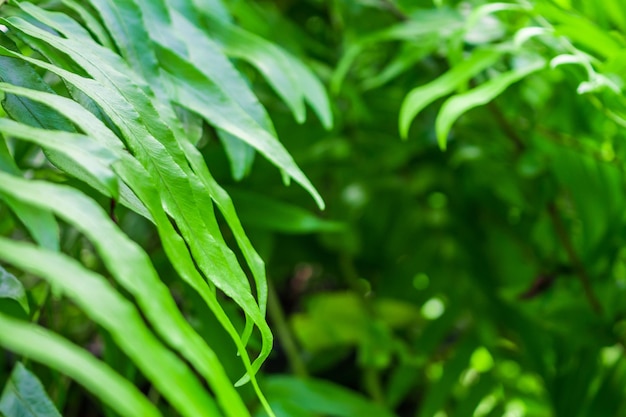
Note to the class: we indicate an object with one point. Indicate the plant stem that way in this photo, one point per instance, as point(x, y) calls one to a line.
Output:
point(579, 268)
point(284, 333)
point(559, 227)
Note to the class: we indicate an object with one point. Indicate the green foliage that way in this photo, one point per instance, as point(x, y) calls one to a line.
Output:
point(470, 260)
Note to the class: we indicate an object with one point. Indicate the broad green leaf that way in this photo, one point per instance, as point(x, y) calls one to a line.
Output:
point(17, 72)
point(257, 210)
point(12, 288)
point(138, 179)
point(79, 149)
point(96, 129)
point(119, 110)
point(94, 26)
point(166, 162)
point(200, 95)
point(320, 397)
point(52, 350)
point(24, 395)
point(289, 77)
point(483, 94)
point(420, 97)
point(131, 267)
point(267, 58)
point(125, 25)
point(104, 305)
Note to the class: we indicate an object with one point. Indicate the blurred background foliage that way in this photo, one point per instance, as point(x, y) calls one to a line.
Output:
point(485, 280)
point(488, 279)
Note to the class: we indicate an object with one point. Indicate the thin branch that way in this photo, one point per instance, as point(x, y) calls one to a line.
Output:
point(579, 268)
point(506, 127)
point(559, 227)
point(283, 332)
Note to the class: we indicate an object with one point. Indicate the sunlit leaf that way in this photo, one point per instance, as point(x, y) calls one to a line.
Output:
point(483, 94)
point(51, 349)
point(420, 97)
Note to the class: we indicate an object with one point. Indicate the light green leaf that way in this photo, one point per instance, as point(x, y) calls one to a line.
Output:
point(483, 94)
point(125, 23)
point(94, 26)
point(206, 55)
point(166, 163)
point(79, 149)
point(12, 288)
point(138, 179)
point(169, 374)
point(197, 93)
point(267, 58)
point(420, 97)
point(487, 9)
point(52, 350)
point(96, 130)
point(524, 34)
point(17, 72)
point(132, 268)
point(24, 395)
point(291, 80)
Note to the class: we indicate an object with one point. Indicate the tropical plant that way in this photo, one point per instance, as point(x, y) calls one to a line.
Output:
point(470, 260)
point(111, 109)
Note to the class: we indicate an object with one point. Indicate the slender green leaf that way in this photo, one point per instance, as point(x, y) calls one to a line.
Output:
point(138, 179)
point(213, 257)
point(52, 350)
point(79, 149)
point(198, 94)
point(94, 26)
point(420, 97)
point(483, 94)
point(105, 306)
point(289, 77)
point(267, 58)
